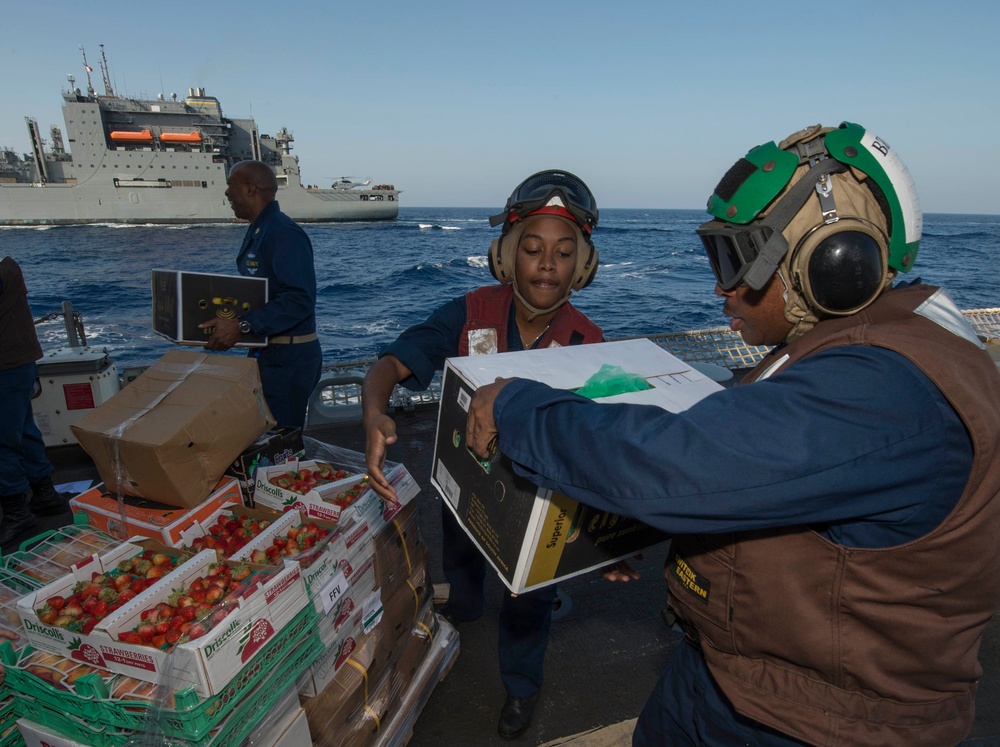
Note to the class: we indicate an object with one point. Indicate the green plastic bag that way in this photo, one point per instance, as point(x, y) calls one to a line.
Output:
point(611, 380)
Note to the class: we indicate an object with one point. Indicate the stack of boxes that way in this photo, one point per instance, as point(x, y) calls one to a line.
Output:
point(347, 620)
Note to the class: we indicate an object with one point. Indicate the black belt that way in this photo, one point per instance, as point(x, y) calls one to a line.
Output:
point(292, 339)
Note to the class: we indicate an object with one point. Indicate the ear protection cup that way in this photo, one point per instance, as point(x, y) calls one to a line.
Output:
point(840, 268)
point(495, 260)
point(585, 274)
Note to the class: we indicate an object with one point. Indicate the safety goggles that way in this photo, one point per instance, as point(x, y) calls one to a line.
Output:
point(732, 249)
point(538, 193)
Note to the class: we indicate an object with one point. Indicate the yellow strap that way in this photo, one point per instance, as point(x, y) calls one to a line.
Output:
point(406, 550)
point(430, 634)
point(375, 718)
point(364, 675)
point(416, 601)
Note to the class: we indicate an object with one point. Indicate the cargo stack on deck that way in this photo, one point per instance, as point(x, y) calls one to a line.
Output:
point(226, 584)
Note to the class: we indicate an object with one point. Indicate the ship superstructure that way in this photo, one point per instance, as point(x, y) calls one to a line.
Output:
point(162, 160)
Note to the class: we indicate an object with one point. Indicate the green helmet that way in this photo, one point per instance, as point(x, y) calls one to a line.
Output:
point(760, 196)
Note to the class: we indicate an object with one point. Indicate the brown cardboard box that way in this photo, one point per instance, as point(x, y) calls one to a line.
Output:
point(366, 685)
point(172, 433)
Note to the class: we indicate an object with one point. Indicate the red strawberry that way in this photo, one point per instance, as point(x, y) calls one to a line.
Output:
point(146, 632)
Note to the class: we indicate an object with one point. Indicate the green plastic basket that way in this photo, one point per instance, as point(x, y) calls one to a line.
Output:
point(95, 735)
point(8, 718)
point(193, 717)
point(88, 717)
point(35, 568)
point(253, 709)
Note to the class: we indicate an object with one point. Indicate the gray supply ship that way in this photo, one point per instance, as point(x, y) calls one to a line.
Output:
point(160, 161)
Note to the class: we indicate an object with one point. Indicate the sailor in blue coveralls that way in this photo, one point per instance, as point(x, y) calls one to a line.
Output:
point(543, 254)
point(277, 248)
point(834, 558)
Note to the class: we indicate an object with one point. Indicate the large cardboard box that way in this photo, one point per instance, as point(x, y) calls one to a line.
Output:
point(151, 519)
point(183, 300)
point(532, 536)
point(172, 433)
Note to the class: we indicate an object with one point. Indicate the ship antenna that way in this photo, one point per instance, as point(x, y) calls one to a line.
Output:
point(89, 69)
point(108, 90)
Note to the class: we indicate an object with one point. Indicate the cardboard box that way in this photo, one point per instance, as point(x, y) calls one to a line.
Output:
point(152, 519)
point(183, 300)
point(532, 536)
point(277, 446)
point(37, 735)
point(372, 656)
point(172, 433)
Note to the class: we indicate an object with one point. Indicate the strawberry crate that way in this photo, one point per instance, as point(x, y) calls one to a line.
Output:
point(66, 685)
point(51, 555)
point(254, 612)
point(191, 717)
point(71, 633)
point(80, 730)
point(258, 703)
point(120, 707)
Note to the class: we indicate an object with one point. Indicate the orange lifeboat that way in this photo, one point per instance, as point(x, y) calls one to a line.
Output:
point(125, 136)
point(180, 137)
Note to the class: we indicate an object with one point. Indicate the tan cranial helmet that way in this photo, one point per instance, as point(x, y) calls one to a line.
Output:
point(832, 211)
point(839, 245)
point(503, 258)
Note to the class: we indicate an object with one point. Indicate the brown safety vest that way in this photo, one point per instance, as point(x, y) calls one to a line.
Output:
point(488, 308)
point(846, 646)
point(18, 341)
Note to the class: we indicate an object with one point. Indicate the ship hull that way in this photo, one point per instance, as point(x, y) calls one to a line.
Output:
point(139, 161)
point(75, 204)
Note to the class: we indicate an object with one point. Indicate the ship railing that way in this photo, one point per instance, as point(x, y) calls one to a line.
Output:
point(340, 384)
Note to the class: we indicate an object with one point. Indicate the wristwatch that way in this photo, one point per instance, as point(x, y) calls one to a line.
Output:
point(245, 327)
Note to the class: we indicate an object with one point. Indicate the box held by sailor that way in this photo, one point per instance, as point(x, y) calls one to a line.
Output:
point(182, 300)
point(532, 536)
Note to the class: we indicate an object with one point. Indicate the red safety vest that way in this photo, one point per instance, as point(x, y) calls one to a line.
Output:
point(488, 308)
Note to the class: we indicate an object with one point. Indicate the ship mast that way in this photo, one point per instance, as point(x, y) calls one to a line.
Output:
point(108, 91)
point(89, 69)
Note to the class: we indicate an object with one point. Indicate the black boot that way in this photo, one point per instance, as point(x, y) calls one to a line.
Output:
point(17, 519)
point(45, 501)
point(515, 717)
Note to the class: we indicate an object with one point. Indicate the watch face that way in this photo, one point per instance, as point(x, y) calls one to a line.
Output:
point(245, 327)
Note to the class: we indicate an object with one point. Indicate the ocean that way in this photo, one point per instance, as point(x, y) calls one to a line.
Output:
point(376, 279)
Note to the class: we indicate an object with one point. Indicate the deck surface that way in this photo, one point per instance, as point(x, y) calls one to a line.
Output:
point(607, 648)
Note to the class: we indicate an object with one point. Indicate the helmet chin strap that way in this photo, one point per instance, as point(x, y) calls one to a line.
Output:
point(534, 310)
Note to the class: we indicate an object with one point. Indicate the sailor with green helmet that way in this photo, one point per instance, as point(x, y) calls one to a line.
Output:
point(834, 560)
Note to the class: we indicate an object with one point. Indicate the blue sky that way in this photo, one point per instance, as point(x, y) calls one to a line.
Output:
point(456, 102)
